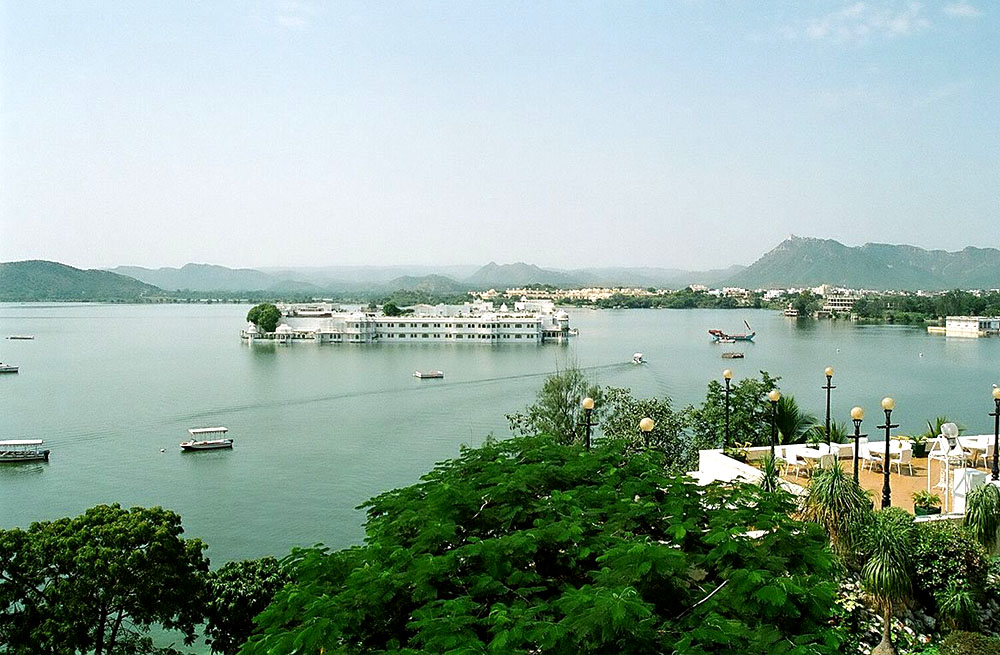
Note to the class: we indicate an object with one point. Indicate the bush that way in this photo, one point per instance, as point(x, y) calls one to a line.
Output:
point(947, 562)
point(969, 643)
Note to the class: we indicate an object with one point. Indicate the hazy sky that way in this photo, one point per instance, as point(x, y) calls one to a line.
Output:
point(690, 134)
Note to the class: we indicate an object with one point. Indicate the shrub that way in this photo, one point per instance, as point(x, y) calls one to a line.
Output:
point(947, 561)
point(969, 643)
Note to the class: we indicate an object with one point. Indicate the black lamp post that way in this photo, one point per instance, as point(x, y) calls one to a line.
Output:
point(888, 404)
point(828, 387)
point(588, 407)
point(774, 396)
point(857, 415)
point(996, 433)
point(645, 425)
point(727, 375)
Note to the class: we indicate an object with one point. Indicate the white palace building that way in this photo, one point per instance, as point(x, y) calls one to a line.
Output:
point(530, 322)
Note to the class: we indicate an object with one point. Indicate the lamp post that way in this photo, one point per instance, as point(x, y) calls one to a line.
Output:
point(727, 375)
point(996, 432)
point(774, 396)
point(645, 425)
point(588, 407)
point(888, 404)
point(829, 376)
point(857, 415)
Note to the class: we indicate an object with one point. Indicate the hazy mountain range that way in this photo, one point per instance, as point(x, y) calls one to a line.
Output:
point(795, 262)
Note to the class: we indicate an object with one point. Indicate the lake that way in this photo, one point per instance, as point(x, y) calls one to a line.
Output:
point(319, 429)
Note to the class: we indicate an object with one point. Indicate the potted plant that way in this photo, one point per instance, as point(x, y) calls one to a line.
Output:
point(919, 444)
point(739, 451)
point(926, 503)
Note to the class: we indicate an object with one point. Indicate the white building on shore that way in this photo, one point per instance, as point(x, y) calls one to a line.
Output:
point(971, 326)
point(530, 322)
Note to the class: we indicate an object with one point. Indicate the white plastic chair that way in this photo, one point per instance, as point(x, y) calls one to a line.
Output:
point(864, 455)
point(827, 461)
point(904, 456)
point(987, 454)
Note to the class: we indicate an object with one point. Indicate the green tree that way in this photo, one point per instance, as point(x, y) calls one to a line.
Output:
point(622, 414)
point(391, 309)
point(982, 515)
point(556, 410)
point(750, 413)
point(839, 505)
point(94, 583)
point(885, 575)
point(265, 316)
point(238, 592)
point(528, 546)
point(793, 423)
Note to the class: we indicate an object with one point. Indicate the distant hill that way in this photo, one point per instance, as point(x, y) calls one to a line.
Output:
point(202, 277)
point(435, 284)
point(502, 276)
point(42, 280)
point(800, 261)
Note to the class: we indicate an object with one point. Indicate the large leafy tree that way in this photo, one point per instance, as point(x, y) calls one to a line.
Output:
point(529, 546)
point(792, 422)
point(885, 576)
point(265, 316)
point(238, 592)
point(556, 410)
point(749, 413)
point(95, 582)
point(622, 414)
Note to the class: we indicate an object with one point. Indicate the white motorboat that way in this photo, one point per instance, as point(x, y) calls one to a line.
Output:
point(7, 368)
point(23, 450)
point(200, 439)
point(637, 359)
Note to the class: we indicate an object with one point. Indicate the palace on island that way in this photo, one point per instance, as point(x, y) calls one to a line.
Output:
point(529, 322)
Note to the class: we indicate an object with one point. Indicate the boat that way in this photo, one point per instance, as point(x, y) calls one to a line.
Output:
point(23, 450)
point(791, 312)
point(428, 375)
point(637, 359)
point(198, 440)
point(733, 355)
point(722, 337)
point(7, 368)
point(23, 337)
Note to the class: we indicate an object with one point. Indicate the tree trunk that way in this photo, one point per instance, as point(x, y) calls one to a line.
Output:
point(885, 646)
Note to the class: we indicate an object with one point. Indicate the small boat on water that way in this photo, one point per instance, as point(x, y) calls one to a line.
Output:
point(637, 358)
point(428, 375)
point(721, 337)
point(22, 337)
point(23, 450)
point(7, 368)
point(732, 355)
point(200, 439)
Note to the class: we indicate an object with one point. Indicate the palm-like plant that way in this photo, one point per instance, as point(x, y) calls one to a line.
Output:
point(982, 515)
point(838, 504)
point(886, 574)
point(771, 468)
point(793, 423)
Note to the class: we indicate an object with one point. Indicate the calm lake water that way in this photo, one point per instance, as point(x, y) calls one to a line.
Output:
point(319, 429)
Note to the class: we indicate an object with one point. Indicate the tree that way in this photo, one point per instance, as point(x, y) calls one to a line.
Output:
point(94, 583)
point(886, 573)
point(238, 592)
point(556, 410)
point(839, 505)
point(749, 413)
point(623, 411)
point(265, 316)
point(528, 546)
point(391, 309)
point(982, 515)
point(793, 423)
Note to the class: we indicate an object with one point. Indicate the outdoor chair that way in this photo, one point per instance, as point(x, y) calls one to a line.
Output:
point(904, 456)
point(865, 456)
point(827, 461)
point(792, 460)
point(987, 454)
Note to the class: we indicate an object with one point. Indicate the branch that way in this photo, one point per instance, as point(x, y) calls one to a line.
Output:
point(693, 607)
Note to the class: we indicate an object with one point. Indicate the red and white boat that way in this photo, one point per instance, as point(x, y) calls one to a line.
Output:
point(201, 439)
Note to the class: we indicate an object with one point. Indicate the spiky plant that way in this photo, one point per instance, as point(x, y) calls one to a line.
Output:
point(886, 573)
point(839, 505)
point(771, 468)
point(956, 605)
point(982, 515)
point(793, 423)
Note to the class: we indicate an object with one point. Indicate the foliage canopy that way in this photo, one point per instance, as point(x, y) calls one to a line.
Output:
point(265, 316)
point(527, 546)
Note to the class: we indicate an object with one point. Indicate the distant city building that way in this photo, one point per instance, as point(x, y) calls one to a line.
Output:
point(971, 326)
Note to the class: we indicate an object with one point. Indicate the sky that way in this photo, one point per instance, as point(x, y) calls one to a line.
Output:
point(680, 134)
